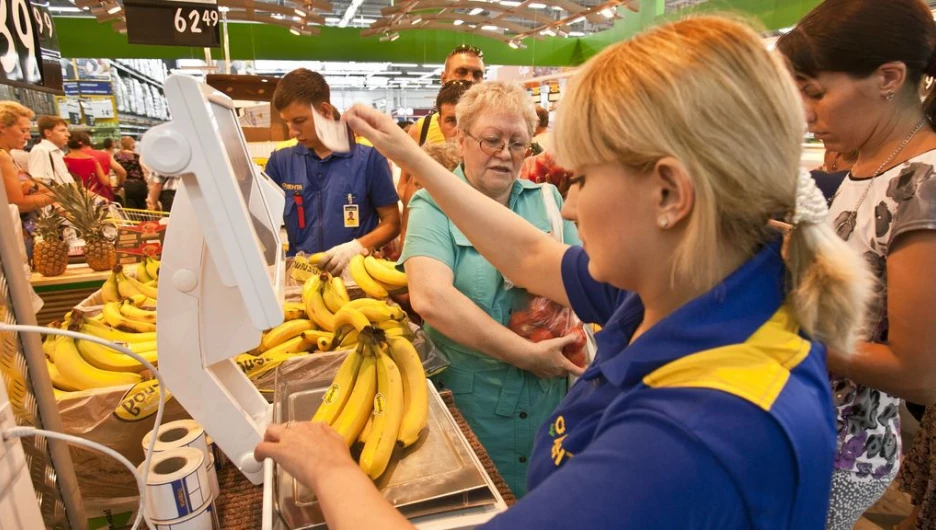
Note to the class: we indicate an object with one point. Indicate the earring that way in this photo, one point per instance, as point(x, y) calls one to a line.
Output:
point(663, 222)
point(889, 96)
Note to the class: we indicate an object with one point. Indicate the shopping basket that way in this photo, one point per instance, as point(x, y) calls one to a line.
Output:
point(124, 216)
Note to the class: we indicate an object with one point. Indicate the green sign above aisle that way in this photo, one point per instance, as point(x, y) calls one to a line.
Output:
point(260, 41)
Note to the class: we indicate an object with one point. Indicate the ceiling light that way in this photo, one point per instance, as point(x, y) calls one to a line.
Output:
point(295, 30)
point(223, 9)
point(66, 9)
point(476, 11)
point(555, 8)
point(510, 3)
point(513, 44)
point(112, 7)
point(433, 66)
point(417, 20)
point(394, 36)
point(278, 16)
point(609, 12)
point(576, 20)
point(548, 32)
point(458, 22)
point(367, 20)
point(390, 37)
point(562, 33)
point(350, 12)
point(576, 34)
point(299, 12)
point(490, 28)
point(536, 6)
point(332, 20)
point(406, 65)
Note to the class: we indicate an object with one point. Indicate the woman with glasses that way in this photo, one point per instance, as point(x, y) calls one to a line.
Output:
point(505, 385)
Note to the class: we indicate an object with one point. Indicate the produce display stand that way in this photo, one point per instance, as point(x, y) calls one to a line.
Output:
point(61, 293)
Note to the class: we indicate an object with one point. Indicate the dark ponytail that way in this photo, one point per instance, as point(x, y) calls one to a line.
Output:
point(857, 36)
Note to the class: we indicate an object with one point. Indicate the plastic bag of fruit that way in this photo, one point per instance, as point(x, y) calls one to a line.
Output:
point(542, 319)
point(542, 168)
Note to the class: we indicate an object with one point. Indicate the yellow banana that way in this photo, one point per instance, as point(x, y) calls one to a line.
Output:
point(284, 332)
point(351, 317)
point(314, 259)
point(146, 288)
point(365, 302)
point(57, 380)
point(337, 394)
point(116, 319)
point(415, 393)
point(109, 290)
point(293, 311)
point(364, 281)
point(293, 345)
point(350, 338)
point(115, 335)
point(108, 359)
point(387, 325)
point(339, 287)
point(313, 335)
point(315, 305)
point(324, 344)
point(399, 333)
point(152, 267)
point(133, 312)
point(141, 273)
point(353, 416)
point(270, 363)
point(76, 370)
point(383, 274)
point(378, 314)
point(141, 347)
point(124, 287)
point(152, 283)
point(388, 415)
point(365, 433)
point(332, 299)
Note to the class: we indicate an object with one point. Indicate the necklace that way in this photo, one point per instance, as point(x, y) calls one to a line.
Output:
point(846, 221)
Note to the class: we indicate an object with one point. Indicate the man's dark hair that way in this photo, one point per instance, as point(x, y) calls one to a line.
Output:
point(79, 139)
point(301, 85)
point(108, 143)
point(47, 123)
point(451, 92)
point(543, 116)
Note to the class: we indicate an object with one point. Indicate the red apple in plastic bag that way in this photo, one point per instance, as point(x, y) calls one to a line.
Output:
point(575, 352)
point(540, 334)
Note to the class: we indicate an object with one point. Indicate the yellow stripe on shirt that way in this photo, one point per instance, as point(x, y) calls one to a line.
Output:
point(755, 370)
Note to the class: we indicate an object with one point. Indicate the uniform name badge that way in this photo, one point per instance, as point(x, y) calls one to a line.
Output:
point(352, 218)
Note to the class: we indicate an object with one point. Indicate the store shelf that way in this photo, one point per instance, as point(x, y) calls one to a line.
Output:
point(123, 69)
point(136, 119)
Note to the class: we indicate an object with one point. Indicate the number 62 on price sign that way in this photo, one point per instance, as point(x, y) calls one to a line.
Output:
point(170, 23)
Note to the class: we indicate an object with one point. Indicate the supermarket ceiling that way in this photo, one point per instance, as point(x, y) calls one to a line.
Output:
point(511, 21)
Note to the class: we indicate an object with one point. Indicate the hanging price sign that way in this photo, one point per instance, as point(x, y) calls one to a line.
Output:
point(173, 23)
point(20, 56)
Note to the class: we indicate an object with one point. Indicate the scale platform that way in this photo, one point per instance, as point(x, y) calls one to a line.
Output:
point(438, 483)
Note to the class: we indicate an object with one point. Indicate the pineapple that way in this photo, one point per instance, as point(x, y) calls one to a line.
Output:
point(88, 215)
point(50, 254)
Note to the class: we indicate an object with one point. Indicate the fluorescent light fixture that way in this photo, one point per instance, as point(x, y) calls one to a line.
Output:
point(394, 36)
point(576, 34)
point(555, 8)
point(332, 20)
point(548, 32)
point(513, 44)
point(417, 20)
point(536, 5)
point(784, 31)
point(576, 20)
point(299, 12)
point(458, 22)
point(490, 28)
point(349, 14)
point(367, 20)
point(390, 37)
point(390, 73)
point(433, 66)
point(295, 30)
point(278, 16)
point(476, 11)
point(609, 12)
point(406, 65)
point(510, 3)
point(112, 8)
point(65, 9)
point(223, 9)
point(297, 19)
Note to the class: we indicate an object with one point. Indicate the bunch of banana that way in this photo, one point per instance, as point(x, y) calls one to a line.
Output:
point(305, 266)
point(379, 395)
point(144, 284)
point(377, 277)
point(71, 370)
point(128, 317)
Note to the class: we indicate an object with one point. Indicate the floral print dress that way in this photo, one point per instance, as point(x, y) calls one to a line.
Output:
point(898, 201)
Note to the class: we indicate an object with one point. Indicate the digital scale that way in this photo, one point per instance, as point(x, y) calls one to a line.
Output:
point(222, 283)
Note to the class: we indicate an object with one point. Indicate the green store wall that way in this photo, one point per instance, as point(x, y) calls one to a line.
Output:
point(84, 37)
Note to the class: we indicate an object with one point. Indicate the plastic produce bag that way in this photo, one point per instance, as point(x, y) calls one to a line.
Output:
point(542, 319)
point(542, 168)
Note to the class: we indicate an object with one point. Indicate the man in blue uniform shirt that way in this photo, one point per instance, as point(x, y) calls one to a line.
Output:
point(337, 203)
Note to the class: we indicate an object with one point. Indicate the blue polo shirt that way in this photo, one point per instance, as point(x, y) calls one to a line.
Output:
point(321, 188)
point(718, 417)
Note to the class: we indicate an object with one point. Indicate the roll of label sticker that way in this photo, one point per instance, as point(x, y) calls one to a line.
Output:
point(204, 519)
point(185, 433)
point(177, 484)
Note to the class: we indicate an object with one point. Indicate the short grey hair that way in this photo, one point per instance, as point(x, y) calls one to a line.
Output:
point(499, 96)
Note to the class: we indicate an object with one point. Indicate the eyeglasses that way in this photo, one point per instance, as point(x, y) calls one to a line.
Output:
point(467, 48)
point(493, 146)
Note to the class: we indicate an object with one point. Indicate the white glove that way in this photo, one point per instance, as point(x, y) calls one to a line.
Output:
point(337, 258)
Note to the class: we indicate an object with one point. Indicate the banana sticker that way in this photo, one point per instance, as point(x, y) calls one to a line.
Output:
point(140, 402)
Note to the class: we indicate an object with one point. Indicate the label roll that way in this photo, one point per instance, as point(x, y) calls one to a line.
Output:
point(177, 484)
point(185, 433)
point(204, 519)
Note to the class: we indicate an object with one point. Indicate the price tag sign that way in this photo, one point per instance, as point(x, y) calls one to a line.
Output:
point(172, 23)
point(20, 56)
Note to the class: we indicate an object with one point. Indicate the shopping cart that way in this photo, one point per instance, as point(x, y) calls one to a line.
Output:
point(124, 216)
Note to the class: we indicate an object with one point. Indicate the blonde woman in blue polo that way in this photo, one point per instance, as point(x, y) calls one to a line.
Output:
point(708, 404)
point(504, 385)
